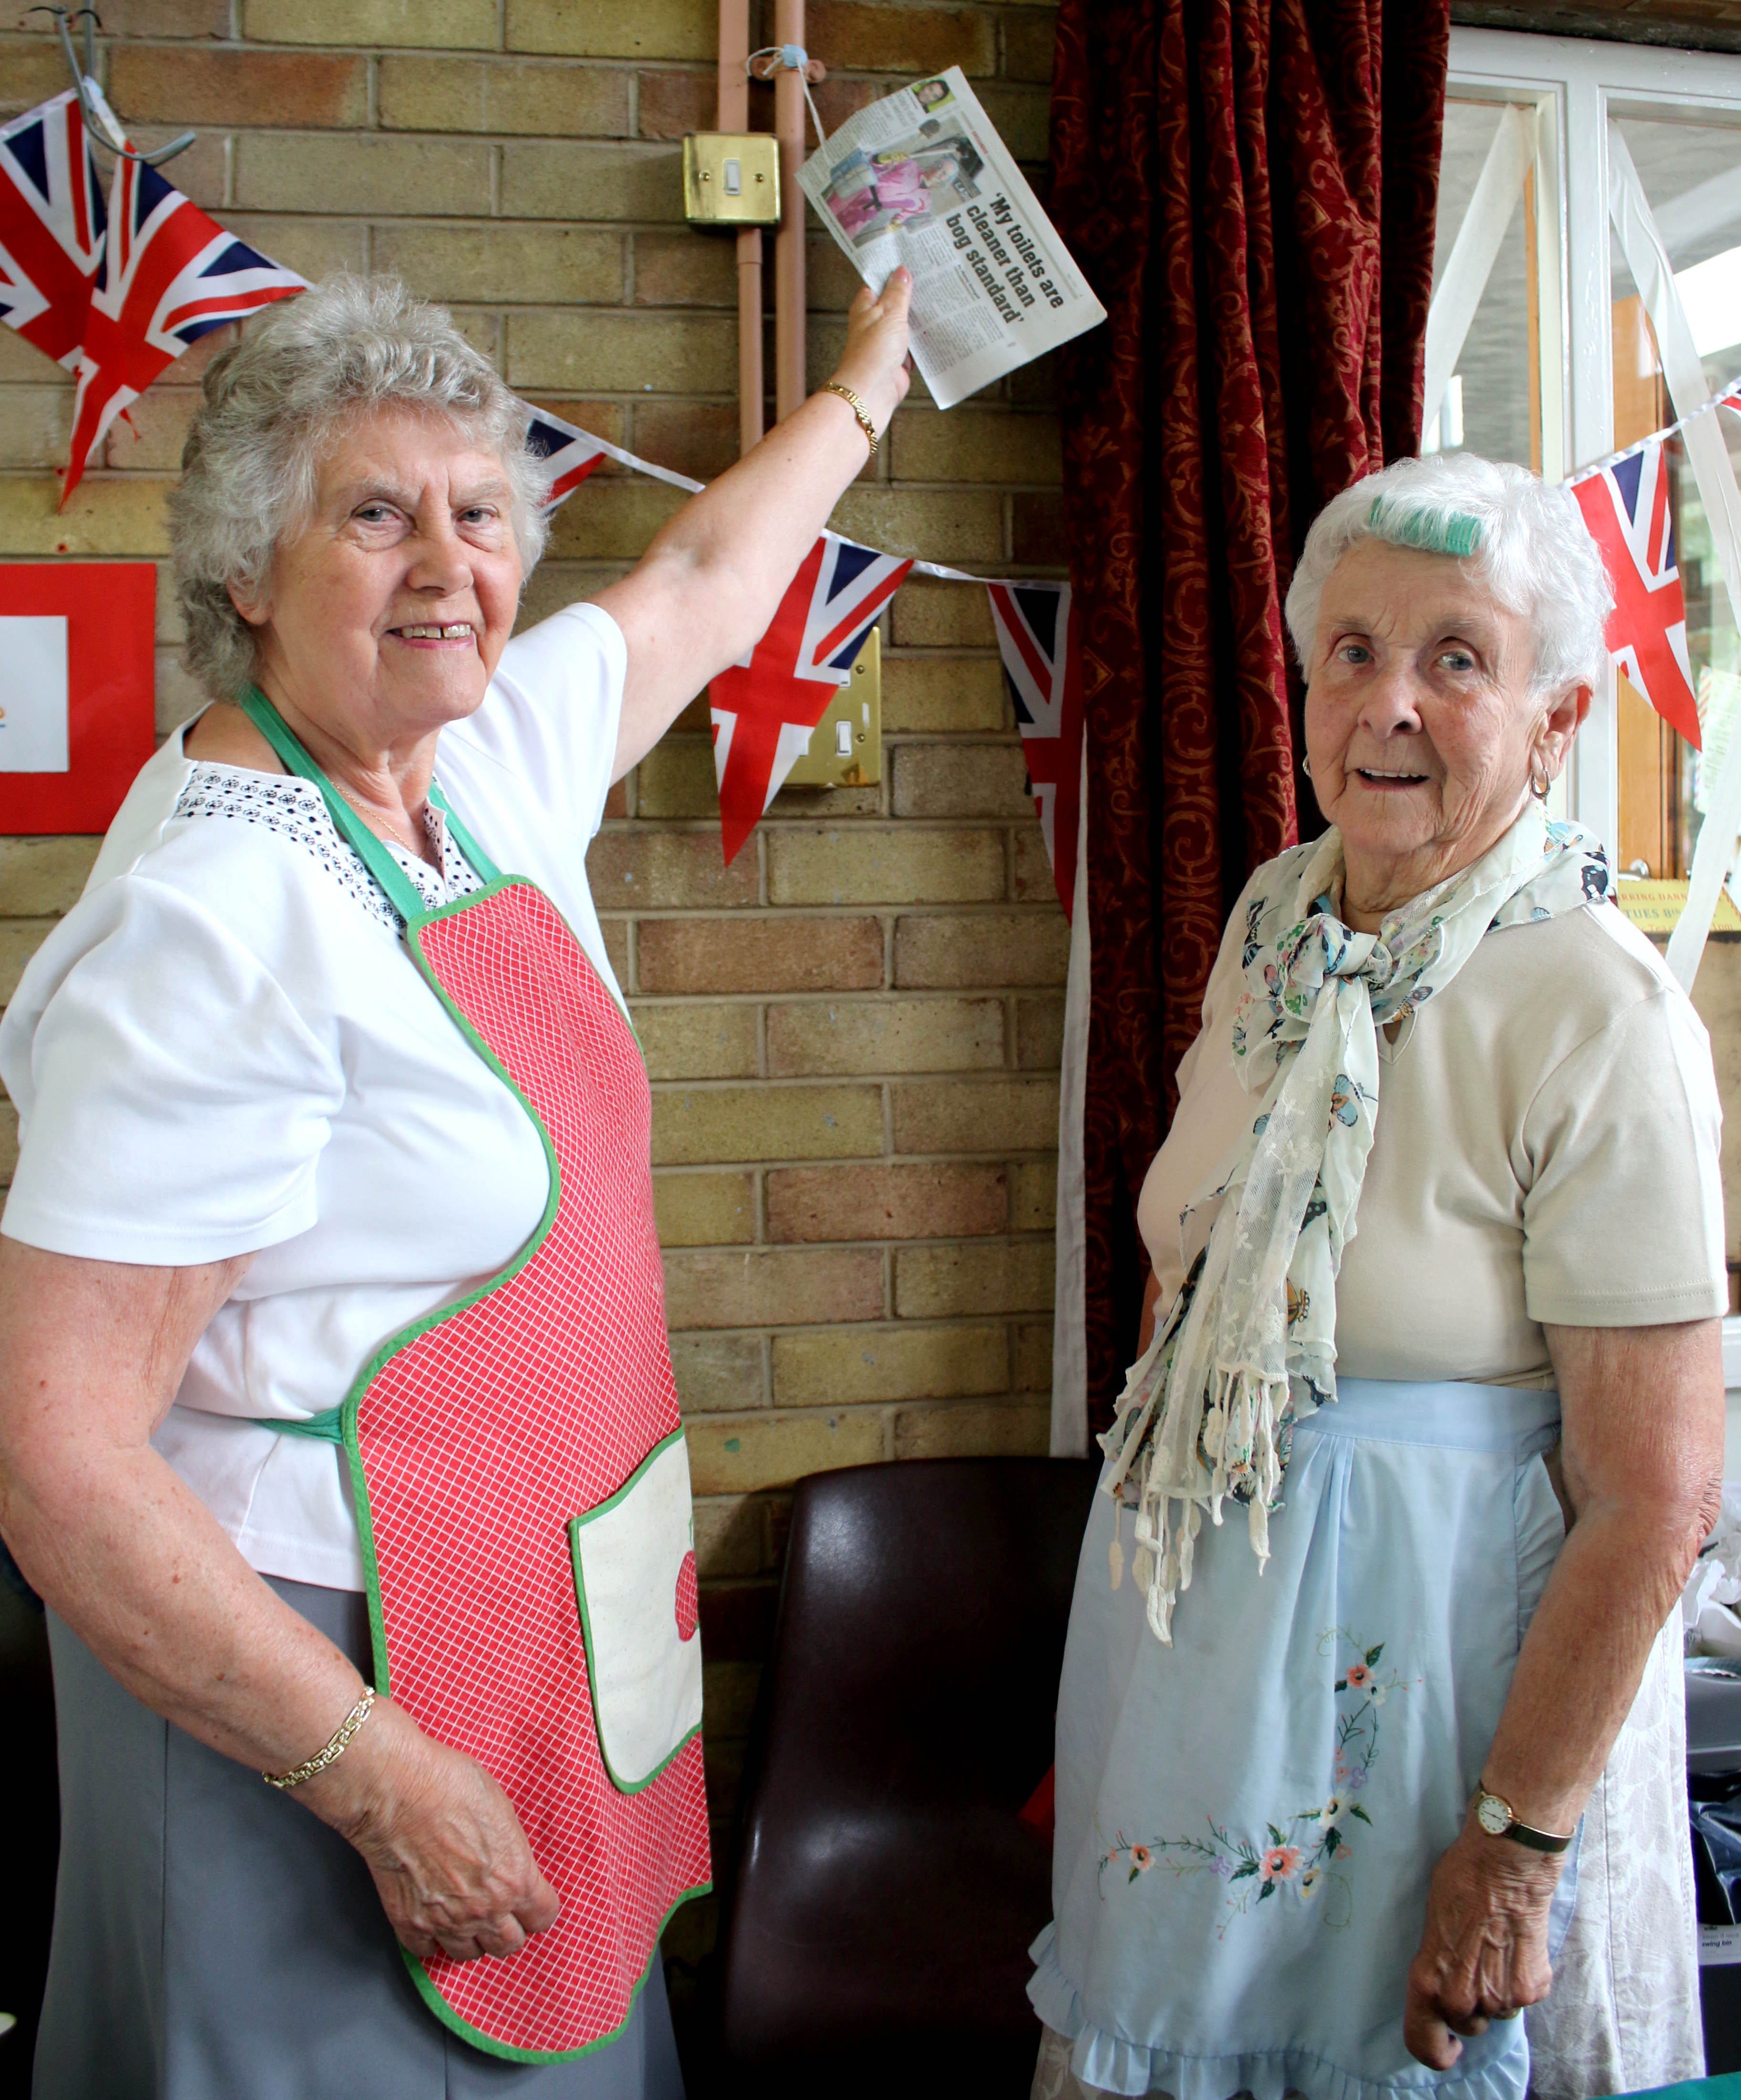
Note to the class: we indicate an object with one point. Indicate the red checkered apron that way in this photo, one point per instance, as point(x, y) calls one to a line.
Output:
point(479, 1436)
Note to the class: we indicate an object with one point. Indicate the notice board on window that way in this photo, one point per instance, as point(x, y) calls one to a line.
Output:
point(77, 687)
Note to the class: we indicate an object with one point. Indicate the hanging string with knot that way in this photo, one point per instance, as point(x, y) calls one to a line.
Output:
point(791, 58)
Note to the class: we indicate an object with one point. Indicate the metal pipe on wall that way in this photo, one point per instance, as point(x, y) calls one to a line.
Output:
point(789, 389)
point(734, 116)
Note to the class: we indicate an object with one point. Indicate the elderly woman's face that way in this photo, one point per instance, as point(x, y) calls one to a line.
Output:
point(391, 606)
point(1419, 723)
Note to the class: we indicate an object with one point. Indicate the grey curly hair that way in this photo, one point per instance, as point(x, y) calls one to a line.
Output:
point(307, 369)
point(1523, 538)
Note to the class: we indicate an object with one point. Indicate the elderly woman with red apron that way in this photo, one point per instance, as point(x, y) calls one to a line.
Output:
point(338, 1427)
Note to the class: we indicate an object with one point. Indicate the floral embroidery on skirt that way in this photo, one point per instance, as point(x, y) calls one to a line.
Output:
point(1310, 1854)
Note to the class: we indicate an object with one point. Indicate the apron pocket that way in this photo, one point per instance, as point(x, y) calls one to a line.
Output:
point(634, 1559)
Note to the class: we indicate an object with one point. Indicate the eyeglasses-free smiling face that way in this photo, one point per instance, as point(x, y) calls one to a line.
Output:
point(1420, 722)
point(389, 609)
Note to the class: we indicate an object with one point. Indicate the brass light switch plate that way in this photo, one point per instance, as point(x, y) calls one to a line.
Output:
point(846, 746)
point(731, 178)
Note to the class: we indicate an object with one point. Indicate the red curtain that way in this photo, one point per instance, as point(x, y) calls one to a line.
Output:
point(1249, 185)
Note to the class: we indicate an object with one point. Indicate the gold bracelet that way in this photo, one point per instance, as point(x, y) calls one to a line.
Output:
point(333, 1751)
point(858, 409)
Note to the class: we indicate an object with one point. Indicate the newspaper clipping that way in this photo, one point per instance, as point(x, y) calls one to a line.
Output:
point(921, 177)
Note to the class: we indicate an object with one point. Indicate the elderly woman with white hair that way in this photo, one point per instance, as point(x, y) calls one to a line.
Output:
point(337, 1428)
point(1438, 1258)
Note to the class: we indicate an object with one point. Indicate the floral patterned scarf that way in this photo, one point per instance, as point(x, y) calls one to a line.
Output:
point(1249, 1346)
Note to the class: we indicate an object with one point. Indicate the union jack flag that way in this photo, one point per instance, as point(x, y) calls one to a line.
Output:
point(571, 452)
point(1036, 637)
point(170, 276)
point(51, 222)
point(765, 705)
point(1625, 506)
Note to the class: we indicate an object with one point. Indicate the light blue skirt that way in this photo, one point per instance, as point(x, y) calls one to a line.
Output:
point(1248, 1820)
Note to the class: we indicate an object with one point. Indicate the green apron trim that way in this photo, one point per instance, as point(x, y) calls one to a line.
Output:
point(577, 1524)
point(417, 916)
point(462, 2027)
point(326, 1428)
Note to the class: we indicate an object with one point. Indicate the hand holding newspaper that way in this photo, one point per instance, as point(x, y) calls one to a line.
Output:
point(921, 177)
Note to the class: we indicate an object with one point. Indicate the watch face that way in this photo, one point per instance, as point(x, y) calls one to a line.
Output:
point(1493, 1815)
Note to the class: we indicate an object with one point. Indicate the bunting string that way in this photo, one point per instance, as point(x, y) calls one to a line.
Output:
point(766, 706)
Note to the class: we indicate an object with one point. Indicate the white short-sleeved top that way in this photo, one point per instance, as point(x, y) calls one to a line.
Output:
point(226, 1047)
point(1547, 1148)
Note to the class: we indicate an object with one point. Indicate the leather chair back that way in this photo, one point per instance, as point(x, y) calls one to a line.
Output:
point(887, 1893)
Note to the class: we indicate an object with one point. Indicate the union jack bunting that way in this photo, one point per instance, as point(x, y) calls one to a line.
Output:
point(51, 222)
point(766, 705)
point(170, 276)
point(1625, 505)
point(1038, 640)
point(576, 453)
point(571, 454)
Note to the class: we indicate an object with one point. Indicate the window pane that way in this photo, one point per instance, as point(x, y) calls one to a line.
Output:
point(1492, 405)
point(1691, 175)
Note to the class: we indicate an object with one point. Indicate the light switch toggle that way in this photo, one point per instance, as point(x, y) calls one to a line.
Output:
point(734, 178)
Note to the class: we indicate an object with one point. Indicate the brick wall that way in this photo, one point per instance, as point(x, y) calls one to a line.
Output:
point(852, 1032)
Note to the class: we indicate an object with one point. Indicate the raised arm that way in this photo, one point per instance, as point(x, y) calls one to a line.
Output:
point(706, 588)
point(91, 1355)
point(1642, 1410)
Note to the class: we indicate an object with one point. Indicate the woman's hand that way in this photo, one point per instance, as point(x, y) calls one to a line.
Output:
point(1484, 1952)
point(451, 1862)
point(875, 362)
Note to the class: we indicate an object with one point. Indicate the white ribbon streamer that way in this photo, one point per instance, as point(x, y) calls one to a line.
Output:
point(1475, 248)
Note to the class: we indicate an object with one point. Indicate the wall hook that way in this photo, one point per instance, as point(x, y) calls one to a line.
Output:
point(96, 111)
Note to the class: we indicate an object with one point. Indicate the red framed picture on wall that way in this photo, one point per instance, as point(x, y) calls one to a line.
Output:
point(77, 686)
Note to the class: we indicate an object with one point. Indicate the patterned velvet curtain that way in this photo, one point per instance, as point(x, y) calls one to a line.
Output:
point(1250, 186)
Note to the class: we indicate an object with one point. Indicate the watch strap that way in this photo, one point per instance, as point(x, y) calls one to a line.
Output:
point(1538, 1841)
point(1520, 1833)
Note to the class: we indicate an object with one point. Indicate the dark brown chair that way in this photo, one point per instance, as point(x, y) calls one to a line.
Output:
point(886, 1891)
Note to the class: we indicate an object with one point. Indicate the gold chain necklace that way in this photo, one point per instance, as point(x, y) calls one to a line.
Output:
point(409, 845)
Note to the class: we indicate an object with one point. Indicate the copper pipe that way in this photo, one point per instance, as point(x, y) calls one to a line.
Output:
point(734, 51)
point(789, 387)
point(734, 116)
point(751, 383)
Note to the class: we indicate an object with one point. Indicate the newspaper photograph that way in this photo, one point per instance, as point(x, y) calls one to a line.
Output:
point(922, 178)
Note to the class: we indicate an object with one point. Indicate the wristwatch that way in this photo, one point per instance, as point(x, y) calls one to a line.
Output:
point(1499, 1820)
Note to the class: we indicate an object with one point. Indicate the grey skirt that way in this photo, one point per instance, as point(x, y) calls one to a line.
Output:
point(215, 1941)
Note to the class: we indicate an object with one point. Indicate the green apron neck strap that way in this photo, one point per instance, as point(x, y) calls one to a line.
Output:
point(482, 864)
point(402, 893)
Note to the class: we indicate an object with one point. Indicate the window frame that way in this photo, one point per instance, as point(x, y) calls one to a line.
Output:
point(1575, 85)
